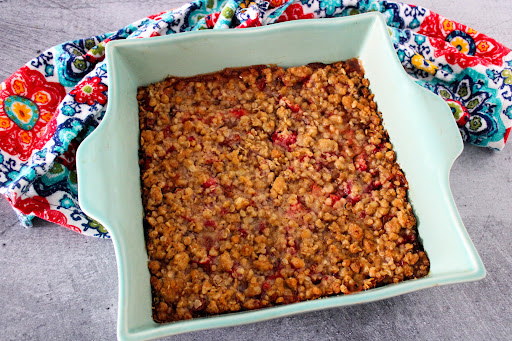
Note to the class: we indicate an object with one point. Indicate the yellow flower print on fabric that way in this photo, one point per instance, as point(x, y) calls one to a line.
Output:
point(5, 123)
point(26, 137)
point(47, 116)
point(448, 25)
point(461, 45)
point(41, 97)
point(421, 63)
point(471, 31)
point(483, 46)
point(18, 87)
point(22, 111)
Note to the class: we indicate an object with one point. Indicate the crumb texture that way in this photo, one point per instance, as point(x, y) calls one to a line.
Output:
point(264, 186)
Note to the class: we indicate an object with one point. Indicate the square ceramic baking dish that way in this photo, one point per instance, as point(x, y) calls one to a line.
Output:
point(420, 126)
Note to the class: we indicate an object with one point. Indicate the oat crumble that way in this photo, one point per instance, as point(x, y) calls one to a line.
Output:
point(264, 186)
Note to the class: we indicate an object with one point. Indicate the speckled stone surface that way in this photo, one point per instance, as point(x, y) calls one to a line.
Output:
point(58, 285)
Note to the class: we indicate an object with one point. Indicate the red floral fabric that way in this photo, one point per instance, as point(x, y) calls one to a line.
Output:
point(31, 86)
point(450, 39)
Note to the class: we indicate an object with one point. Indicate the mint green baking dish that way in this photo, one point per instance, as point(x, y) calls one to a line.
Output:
point(420, 126)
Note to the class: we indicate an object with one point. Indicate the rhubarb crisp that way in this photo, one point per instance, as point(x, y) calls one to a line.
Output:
point(264, 186)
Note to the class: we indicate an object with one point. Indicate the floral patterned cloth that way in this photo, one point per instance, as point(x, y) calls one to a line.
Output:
point(52, 103)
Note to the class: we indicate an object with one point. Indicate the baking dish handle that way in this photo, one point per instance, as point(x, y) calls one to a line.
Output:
point(93, 197)
point(450, 144)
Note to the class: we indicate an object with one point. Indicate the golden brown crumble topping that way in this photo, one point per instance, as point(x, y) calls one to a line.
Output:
point(265, 186)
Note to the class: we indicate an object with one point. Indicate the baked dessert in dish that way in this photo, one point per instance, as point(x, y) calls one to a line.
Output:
point(264, 186)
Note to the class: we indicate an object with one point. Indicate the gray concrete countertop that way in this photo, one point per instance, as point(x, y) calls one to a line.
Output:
point(58, 285)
